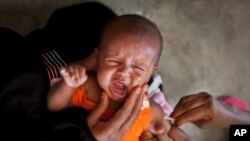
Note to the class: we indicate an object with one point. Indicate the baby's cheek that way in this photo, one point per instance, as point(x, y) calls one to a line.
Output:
point(103, 80)
point(138, 81)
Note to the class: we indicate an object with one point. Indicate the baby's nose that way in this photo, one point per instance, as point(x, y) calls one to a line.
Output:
point(124, 70)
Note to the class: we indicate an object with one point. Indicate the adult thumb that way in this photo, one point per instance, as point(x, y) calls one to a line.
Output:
point(158, 128)
point(96, 114)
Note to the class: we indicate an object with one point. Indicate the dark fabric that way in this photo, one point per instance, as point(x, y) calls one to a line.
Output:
point(13, 56)
point(74, 32)
point(67, 125)
point(22, 105)
point(53, 62)
point(24, 115)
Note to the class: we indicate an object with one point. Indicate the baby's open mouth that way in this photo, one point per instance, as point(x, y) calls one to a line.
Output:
point(118, 89)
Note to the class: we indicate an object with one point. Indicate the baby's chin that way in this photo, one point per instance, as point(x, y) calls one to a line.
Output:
point(116, 93)
point(116, 98)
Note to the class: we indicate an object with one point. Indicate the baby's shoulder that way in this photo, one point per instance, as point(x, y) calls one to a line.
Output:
point(156, 109)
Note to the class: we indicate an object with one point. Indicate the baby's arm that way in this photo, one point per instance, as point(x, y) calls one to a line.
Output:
point(61, 92)
point(159, 126)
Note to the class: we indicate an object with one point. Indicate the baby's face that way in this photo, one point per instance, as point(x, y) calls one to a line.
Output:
point(125, 62)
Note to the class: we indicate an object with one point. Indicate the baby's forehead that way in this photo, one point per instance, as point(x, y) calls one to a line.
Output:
point(131, 47)
point(134, 25)
point(131, 42)
point(132, 32)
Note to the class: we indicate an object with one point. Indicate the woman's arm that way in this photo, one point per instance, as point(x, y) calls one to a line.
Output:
point(207, 112)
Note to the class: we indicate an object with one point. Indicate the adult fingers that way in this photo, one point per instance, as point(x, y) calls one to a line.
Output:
point(164, 137)
point(190, 102)
point(135, 111)
point(147, 136)
point(122, 114)
point(160, 132)
point(95, 115)
point(178, 135)
point(160, 129)
point(124, 118)
point(193, 115)
point(157, 128)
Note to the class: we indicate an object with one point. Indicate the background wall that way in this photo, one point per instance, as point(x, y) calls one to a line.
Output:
point(206, 43)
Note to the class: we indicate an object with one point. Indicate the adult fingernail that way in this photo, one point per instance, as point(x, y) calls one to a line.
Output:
point(145, 87)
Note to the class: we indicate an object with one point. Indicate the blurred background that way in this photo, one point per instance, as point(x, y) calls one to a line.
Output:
point(206, 43)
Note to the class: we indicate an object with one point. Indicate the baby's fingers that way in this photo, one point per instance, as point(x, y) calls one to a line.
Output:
point(82, 73)
point(64, 72)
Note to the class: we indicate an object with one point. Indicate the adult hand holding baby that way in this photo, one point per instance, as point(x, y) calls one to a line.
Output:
point(117, 126)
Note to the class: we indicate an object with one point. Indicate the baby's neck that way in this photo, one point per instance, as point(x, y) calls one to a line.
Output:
point(115, 105)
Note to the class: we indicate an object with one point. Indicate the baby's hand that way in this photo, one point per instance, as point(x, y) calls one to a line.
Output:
point(74, 76)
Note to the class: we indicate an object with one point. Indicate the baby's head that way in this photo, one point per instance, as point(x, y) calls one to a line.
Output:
point(129, 52)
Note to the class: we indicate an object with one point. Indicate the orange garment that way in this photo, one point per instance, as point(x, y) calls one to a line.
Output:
point(141, 123)
point(79, 99)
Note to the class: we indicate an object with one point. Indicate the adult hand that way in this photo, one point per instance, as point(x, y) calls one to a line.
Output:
point(159, 126)
point(117, 126)
point(157, 133)
point(160, 130)
point(178, 135)
point(174, 134)
point(201, 109)
point(148, 136)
